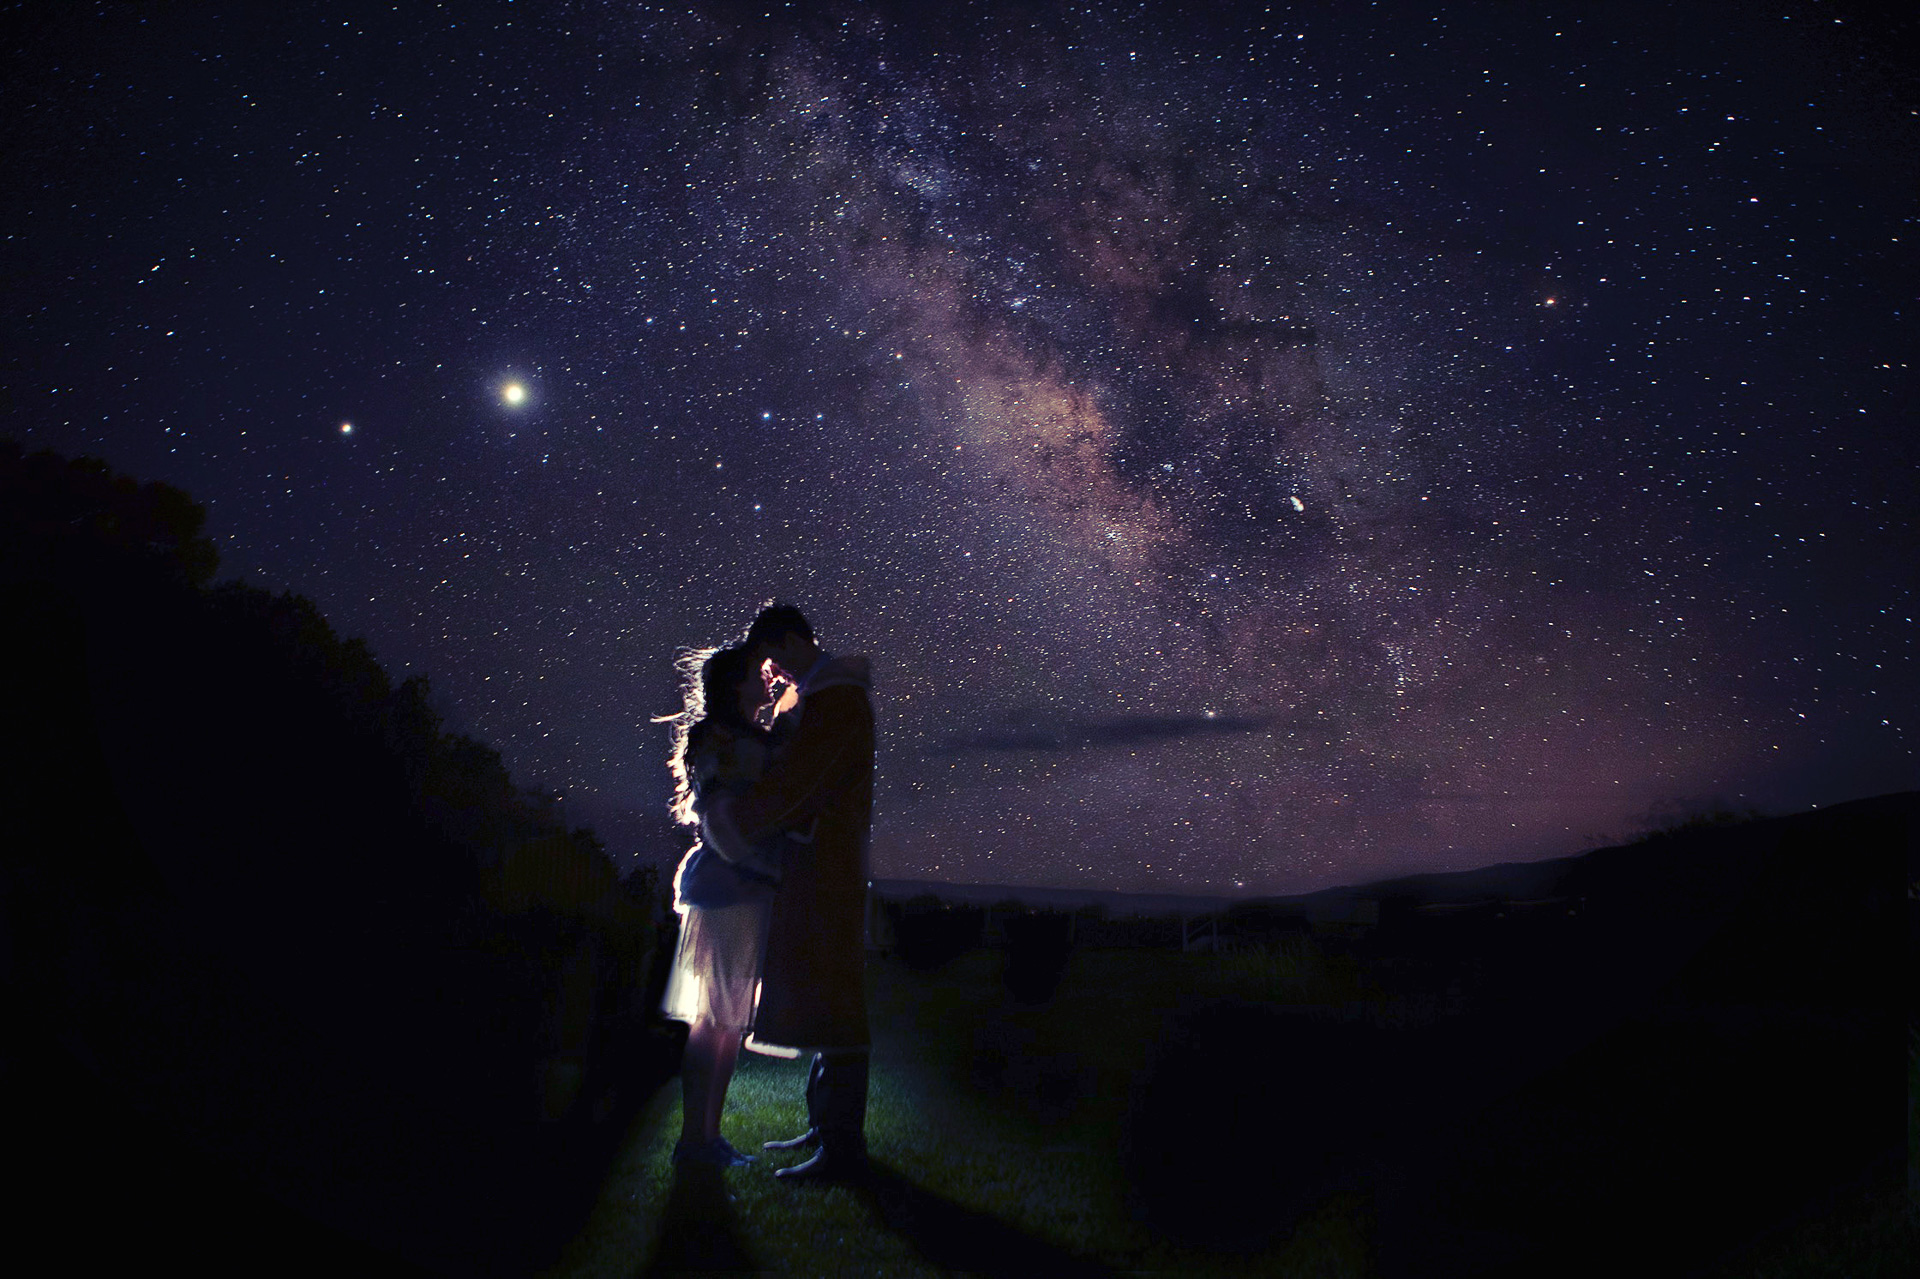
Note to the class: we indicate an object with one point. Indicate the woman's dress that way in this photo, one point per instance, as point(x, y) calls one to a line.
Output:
point(716, 965)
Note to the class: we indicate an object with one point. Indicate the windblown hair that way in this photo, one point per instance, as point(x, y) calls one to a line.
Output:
point(709, 678)
point(775, 622)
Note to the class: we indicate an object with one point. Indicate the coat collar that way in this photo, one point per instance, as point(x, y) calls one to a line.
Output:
point(820, 664)
point(831, 672)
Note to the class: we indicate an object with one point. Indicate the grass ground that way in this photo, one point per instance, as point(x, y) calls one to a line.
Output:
point(995, 1128)
point(1007, 1139)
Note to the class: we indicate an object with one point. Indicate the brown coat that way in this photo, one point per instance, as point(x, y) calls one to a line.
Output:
point(813, 992)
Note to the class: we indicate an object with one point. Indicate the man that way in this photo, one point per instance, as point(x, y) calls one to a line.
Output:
point(813, 992)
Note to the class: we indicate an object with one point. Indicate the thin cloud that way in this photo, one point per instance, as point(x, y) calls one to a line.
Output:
point(1121, 731)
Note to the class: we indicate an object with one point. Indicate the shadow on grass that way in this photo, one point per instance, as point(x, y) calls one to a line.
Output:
point(1248, 1116)
point(952, 1237)
point(698, 1229)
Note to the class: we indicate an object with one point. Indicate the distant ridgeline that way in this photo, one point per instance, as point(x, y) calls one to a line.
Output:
point(1699, 867)
point(210, 767)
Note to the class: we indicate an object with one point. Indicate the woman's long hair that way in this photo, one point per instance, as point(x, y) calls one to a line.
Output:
point(709, 682)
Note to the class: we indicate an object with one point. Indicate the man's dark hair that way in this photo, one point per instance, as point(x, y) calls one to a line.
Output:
point(775, 622)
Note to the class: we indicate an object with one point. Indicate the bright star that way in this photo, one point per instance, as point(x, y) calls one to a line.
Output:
point(513, 394)
point(346, 428)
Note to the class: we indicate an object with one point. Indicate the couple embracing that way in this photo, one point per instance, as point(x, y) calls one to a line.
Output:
point(773, 761)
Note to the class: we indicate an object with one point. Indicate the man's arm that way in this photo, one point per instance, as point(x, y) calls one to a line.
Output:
point(834, 741)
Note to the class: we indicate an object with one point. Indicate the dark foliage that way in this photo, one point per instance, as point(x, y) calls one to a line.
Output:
point(1664, 1050)
point(65, 522)
point(929, 933)
point(1038, 947)
point(1267, 921)
point(260, 890)
point(1151, 932)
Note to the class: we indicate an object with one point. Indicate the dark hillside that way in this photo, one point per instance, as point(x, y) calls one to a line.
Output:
point(1659, 1055)
point(263, 911)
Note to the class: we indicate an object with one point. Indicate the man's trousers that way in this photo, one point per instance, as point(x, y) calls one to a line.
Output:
point(837, 1102)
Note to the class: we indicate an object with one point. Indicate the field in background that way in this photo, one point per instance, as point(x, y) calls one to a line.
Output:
point(1292, 1111)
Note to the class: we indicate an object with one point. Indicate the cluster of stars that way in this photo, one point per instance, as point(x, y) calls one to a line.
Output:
point(1257, 455)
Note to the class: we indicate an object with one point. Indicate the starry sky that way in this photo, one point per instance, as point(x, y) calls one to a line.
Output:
point(1261, 448)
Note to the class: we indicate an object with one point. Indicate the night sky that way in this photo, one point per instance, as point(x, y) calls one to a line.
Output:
point(1260, 448)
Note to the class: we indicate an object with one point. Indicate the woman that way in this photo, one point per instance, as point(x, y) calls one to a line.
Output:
point(724, 897)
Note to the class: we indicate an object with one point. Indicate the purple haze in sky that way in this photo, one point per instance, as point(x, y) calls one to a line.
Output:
point(1257, 454)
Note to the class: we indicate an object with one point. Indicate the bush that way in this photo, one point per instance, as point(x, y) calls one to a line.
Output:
point(930, 933)
point(1038, 946)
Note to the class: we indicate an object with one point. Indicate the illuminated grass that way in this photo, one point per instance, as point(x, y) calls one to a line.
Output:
point(996, 1126)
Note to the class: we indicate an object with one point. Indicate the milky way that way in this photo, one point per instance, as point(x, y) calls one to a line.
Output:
point(1257, 456)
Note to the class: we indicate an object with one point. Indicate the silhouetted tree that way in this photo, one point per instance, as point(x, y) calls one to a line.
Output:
point(212, 770)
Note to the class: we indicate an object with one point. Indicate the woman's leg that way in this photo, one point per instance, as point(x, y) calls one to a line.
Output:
point(726, 1052)
point(697, 1069)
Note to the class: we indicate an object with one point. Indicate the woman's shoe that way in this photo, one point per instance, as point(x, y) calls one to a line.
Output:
point(711, 1154)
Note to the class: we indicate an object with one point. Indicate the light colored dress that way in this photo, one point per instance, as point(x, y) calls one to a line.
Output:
point(716, 965)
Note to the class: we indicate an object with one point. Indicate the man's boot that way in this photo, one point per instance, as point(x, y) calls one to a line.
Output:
point(811, 1137)
point(841, 1120)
